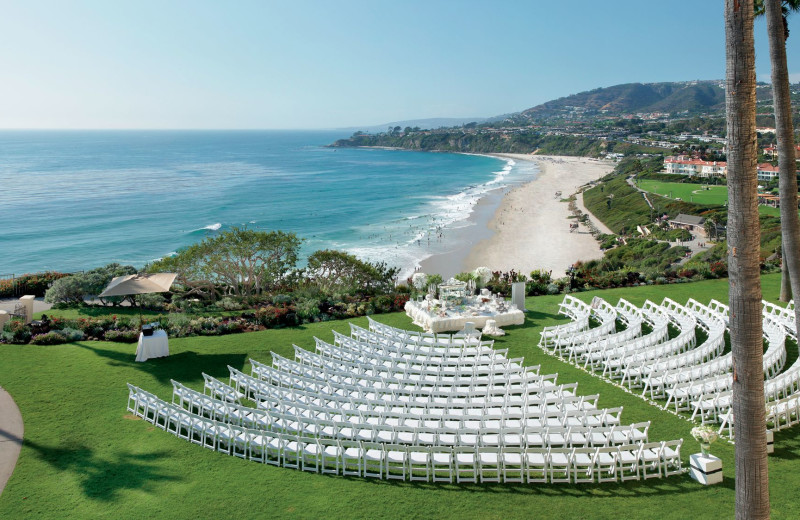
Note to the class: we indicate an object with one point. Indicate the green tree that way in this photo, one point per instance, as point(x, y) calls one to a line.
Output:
point(239, 262)
point(332, 270)
point(752, 484)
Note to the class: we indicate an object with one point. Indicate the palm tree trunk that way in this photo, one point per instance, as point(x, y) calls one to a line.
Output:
point(786, 282)
point(787, 180)
point(752, 491)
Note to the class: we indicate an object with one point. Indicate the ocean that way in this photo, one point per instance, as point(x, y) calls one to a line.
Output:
point(74, 200)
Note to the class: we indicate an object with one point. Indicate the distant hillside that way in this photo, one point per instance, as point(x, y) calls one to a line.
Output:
point(694, 96)
point(431, 123)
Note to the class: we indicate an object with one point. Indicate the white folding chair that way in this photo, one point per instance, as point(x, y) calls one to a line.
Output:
point(489, 463)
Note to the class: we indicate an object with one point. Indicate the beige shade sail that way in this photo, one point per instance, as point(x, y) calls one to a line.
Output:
point(139, 284)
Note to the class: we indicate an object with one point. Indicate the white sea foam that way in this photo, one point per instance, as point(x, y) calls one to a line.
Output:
point(430, 229)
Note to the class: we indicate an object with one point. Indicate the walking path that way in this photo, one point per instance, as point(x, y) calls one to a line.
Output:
point(39, 305)
point(596, 221)
point(637, 188)
point(11, 430)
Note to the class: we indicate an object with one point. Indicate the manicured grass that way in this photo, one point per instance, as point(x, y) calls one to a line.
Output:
point(696, 193)
point(85, 457)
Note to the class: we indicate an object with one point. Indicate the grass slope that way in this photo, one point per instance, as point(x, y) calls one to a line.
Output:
point(85, 457)
point(696, 193)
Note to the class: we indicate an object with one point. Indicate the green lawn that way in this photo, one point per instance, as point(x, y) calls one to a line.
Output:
point(697, 193)
point(84, 456)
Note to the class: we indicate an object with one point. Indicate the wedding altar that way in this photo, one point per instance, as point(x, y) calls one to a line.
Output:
point(455, 307)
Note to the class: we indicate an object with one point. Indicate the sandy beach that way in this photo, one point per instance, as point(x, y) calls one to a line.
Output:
point(530, 228)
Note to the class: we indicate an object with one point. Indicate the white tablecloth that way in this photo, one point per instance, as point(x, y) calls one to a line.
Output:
point(455, 321)
point(152, 346)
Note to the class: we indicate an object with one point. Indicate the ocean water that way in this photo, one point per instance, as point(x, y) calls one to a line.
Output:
point(74, 200)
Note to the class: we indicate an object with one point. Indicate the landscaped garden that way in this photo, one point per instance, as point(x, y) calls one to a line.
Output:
point(86, 456)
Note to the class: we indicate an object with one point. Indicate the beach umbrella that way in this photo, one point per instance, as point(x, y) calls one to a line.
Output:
point(141, 283)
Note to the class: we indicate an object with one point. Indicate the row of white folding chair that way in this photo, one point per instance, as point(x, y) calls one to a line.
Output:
point(346, 348)
point(604, 313)
point(325, 354)
point(561, 398)
point(629, 315)
point(599, 352)
point(775, 357)
point(558, 398)
point(784, 413)
point(715, 407)
point(774, 360)
point(658, 382)
point(491, 418)
point(572, 410)
point(358, 425)
point(722, 310)
point(457, 338)
point(273, 410)
point(386, 353)
point(216, 388)
point(508, 368)
point(615, 367)
point(682, 395)
point(550, 333)
point(783, 315)
point(659, 319)
point(327, 382)
point(705, 314)
point(413, 345)
point(220, 410)
point(371, 376)
point(573, 308)
point(320, 382)
point(455, 433)
point(711, 348)
point(354, 350)
point(415, 462)
point(402, 351)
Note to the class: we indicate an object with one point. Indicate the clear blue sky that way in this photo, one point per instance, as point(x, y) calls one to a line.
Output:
point(324, 64)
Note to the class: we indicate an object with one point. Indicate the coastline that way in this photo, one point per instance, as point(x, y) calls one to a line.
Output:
point(529, 228)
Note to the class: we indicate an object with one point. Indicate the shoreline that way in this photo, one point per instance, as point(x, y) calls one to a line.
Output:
point(523, 235)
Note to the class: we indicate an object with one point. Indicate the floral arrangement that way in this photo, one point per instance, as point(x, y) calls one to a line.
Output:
point(706, 436)
point(482, 275)
point(419, 281)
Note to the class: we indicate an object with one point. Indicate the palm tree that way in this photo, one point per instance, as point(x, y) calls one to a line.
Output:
point(778, 32)
point(752, 490)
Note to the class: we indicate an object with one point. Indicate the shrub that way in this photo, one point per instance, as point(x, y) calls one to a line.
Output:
point(229, 304)
point(382, 303)
point(272, 315)
point(308, 309)
point(49, 338)
point(153, 301)
point(122, 336)
point(71, 334)
point(16, 332)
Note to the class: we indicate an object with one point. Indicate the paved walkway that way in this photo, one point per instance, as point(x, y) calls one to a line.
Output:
point(39, 305)
point(11, 430)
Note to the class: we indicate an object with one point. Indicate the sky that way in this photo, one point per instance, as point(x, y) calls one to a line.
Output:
point(301, 64)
